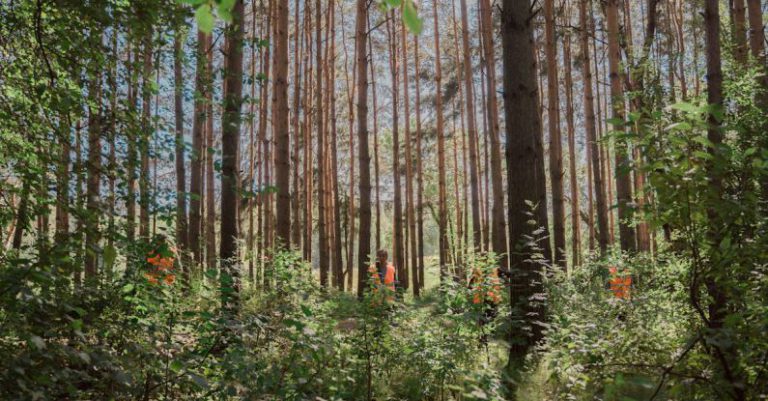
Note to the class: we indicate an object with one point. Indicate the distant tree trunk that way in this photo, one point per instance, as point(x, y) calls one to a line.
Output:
point(589, 116)
point(252, 145)
point(361, 54)
point(230, 137)
point(738, 13)
point(498, 223)
point(397, 247)
point(419, 166)
point(146, 136)
point(757, 47)
point(280, 125)
point(627, 235)
point(61, 235)
point(472, 130)
point(572, 157)
point(409, 212)
point(93, 186)
point(338, 266)
point(308, 169)
point(210, 190)
point(375, 138)
point(442, 224)
point(525, 173)
point(555, 140)
point(195, 228)
point(181, 178)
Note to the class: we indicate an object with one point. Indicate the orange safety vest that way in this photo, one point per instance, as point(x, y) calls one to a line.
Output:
point(389, 277)
point(619, 284)
point(483, 290)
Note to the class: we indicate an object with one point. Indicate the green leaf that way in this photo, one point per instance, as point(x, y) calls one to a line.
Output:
point(393, 3)
point(128, 288)
point(204, 18)
point(176, 366)
point(110, 254)
point(686, 107)
point(411, 17)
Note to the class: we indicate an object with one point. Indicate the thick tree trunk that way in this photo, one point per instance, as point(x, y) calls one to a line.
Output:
point(442, 224)
point(361, 54)
point(230, 137)
point(627, 235)
point(280, 125)
point(525, 174)
point(722, 347)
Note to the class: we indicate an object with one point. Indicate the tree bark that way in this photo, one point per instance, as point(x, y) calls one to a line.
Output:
point(230, 136)
point(181, 177)
point(627, 237)
point(195, 228)
point(555, 140)
point(280, 125)
point(442, 199)
point(361, 53)
point(471, 130)
point(525, 174)
point(498, 223)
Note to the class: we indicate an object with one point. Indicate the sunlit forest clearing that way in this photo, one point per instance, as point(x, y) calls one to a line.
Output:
point(383, 200)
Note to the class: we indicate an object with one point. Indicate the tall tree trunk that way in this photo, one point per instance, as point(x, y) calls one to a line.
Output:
point(210, 189)
point(409, 212)
point(375, 138)
point(442, 224)
point(298, 47)
point(589, 124)
point(555, 140)
point(525, 173)
point(419, 166)
point(280, 125)
point(361, 54)
point(146, 136)
point(757, 47)
point(739, 15)
point(195, 229)
point(399, 256)
point(230, 137)
point(321, 226)
point(181, 177)
point(722, 347)
point(498, 223)
point(627, 237)
point(471, 129)
point(575, 209)
point(93, 186)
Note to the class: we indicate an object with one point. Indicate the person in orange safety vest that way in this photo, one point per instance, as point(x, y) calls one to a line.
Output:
point(380, 269)
point(619, 283)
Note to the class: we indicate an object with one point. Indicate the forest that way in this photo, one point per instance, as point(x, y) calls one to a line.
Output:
point(460, 200)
